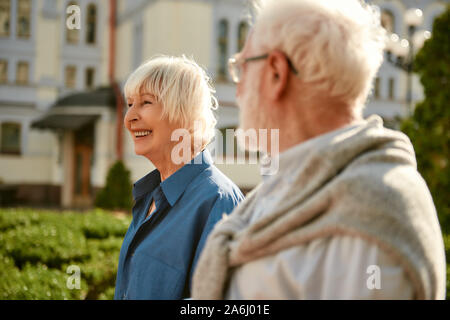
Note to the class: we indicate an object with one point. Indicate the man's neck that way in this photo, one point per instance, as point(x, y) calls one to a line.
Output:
point(311, 124)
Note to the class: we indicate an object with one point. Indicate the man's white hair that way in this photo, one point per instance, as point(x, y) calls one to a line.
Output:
point(183, 88)
point(336, 44)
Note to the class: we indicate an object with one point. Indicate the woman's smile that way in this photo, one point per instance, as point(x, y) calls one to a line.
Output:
point(141, 134)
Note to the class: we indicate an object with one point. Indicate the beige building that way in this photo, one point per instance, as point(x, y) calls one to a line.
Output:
point(57, 103)
point(63, 64)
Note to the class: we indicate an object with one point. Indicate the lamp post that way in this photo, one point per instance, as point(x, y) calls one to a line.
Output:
point(400, 52)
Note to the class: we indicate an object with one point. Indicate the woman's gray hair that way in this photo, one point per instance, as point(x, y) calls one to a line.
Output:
point(183, 88)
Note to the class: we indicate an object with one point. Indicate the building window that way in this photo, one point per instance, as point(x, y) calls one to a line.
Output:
point(242, 35)
point(228, 146)
point(23, 18)
point(229, 142)
point(376, 89)
point(70, 75)
point(391, 88)
point(3, 71)
point(89, 78)
point(223, 49)
point(10, 138)
point(72, 35)
point(387, 20)
point(91, 23)
point(5, 17)
point(22, 73)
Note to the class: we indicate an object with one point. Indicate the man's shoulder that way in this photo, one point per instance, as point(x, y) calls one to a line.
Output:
point(394, 181)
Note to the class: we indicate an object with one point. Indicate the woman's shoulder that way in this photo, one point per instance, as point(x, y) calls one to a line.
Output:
point(213, 181)
point(211, 194)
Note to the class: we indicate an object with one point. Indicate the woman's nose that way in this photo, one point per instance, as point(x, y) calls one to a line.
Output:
point(131, 115)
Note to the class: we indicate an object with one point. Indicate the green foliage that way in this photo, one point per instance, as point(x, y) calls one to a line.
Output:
point(37, 247)
point(117, 192)
point(96, 226)
point(429, 127)
point(35, 282)
point(50, 245)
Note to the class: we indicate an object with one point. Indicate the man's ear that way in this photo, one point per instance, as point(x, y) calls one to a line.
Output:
point(277, 74)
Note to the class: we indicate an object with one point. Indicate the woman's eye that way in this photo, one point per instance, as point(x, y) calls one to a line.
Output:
point(130, 105)
point(147, 102)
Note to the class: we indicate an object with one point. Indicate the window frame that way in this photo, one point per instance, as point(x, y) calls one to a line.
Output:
point(242, 36)
point(5, 81)
point(18, 16)
point(69, 32)
point(18, 150)
point(377, 88)
point(27, 81)
point(66, 68)
point(95, 20)
point(86, 71)
point(8, 15)
point(391, 88)
point(222, 44)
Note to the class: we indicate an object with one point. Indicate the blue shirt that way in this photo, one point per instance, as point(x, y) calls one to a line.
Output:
point(159, 253)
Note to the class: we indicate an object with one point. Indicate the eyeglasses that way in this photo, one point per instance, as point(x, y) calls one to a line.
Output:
point(235, 65)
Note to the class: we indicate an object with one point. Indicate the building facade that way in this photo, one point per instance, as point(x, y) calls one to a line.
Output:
point(58, 122)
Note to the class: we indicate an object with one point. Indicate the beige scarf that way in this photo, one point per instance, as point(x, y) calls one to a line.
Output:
point(361, 182)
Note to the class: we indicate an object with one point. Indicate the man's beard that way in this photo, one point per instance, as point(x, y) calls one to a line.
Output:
point(251, 118)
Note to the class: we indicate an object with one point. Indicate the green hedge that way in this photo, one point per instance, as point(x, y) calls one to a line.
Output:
point(447, 255)
point(37, 247)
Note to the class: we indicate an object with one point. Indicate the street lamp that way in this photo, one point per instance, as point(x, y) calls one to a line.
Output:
point(400, 52)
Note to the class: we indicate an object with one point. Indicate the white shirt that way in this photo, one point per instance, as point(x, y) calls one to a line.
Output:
point(328, 268)
point(340, 267)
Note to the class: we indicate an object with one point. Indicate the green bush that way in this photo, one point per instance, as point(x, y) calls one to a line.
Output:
point(44, 243)
point(98, 226)
point(37, 282)
point(117, 192)
point(429, 126)
point(37, 247)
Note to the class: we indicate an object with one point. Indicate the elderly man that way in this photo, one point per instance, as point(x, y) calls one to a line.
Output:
point(347, 215)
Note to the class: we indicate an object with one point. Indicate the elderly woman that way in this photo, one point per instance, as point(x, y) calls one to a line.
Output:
point(178, 203)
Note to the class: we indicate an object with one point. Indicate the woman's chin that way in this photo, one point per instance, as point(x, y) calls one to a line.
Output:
point(141, 152)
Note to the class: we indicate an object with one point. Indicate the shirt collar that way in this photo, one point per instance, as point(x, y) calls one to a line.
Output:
point(174, 186)
point(146, 184)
